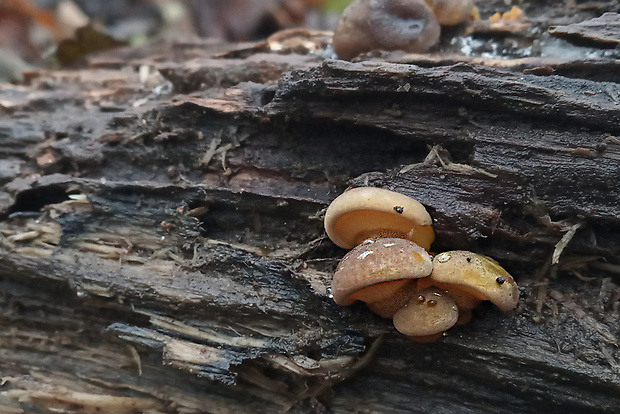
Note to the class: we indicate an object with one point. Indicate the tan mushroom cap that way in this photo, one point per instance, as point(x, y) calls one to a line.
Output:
point(367, 25)
point(451, 12)
point(366, 212)
point(430, 312)
point(362, 273)
point(463, 272)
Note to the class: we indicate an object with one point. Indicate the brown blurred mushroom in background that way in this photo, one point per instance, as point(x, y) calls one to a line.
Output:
point(451, 12)
point(239, 20)
point(367, 25)
point(30, 30)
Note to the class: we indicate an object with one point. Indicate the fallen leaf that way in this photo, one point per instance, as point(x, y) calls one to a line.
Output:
point(87, 40)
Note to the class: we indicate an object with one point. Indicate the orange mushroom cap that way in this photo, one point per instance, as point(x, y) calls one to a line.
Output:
point(367, 212)
point(451, 12)
point(367, 25)
point(474, 276)
point(368, 272)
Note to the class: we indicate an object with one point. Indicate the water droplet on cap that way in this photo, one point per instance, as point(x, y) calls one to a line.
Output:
point(443, 257)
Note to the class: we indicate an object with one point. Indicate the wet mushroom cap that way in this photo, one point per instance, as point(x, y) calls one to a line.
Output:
point(367, 212)
point(475, 275)
point(429, 312)
point(451, 12)
point(366, 25)
point(464, 300)
point(364, 271)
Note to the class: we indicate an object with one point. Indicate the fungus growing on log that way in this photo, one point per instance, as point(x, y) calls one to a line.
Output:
point(451, 12)
point(367, 212)
point(427, 315)
point(471, 278)
point(375, 271)
point(366, 25)
point(391, 271)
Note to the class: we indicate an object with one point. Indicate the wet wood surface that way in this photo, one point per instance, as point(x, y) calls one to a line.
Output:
point(162, 248)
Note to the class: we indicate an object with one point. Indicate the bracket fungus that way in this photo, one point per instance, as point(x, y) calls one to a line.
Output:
point(451, 12)
point(366, 25)
point(378, 272)
point(368, 212)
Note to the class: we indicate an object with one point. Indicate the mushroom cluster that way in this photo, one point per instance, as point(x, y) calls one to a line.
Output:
point(390, 269)
point(409, 25)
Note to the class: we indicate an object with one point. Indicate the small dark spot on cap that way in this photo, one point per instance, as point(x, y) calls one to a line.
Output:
point(500, 280)
point(399, 209)
point(421, 299)
point(431, 303)
point(468, 259)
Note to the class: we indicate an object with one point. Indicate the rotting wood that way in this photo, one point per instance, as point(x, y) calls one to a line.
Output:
point(102, 301)
point(603, 31)
point(600, 70)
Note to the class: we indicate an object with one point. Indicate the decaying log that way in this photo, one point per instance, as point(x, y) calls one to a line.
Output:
point(603, 31)
point(162, 249)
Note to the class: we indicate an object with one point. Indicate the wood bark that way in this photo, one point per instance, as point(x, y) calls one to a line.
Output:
point(162, 248)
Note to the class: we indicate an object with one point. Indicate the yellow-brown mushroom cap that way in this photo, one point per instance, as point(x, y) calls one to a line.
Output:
point(430, 312)
point(451, 12)
point(375, 263)
point(367, 212)
point(464, 301)
point(475, 275)
point(367, 25)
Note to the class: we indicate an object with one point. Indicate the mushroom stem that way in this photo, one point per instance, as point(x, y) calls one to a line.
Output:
point(388, 307)
point(464, 317)
point(427, 339)
point(379, 292)
point(464, 301)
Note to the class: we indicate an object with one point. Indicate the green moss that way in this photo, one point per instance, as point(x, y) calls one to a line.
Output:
point(335, 6)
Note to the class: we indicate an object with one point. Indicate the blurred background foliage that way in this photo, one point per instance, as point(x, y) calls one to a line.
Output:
point(32, 30)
